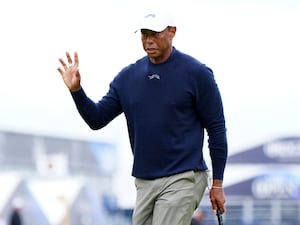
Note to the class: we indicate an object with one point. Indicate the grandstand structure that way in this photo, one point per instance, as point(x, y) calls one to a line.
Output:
point(262, 185)
point(59, 180)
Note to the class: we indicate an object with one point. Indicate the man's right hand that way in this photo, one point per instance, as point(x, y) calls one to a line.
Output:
point(70, 72)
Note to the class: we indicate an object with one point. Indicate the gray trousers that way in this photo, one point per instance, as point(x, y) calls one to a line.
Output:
point(169, 200)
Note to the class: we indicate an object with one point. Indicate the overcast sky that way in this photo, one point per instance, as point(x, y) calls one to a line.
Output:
point(252, 46)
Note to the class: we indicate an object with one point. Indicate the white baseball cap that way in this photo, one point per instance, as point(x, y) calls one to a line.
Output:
point(156, 20)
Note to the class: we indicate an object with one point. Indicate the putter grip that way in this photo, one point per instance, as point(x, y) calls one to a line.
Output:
point(219, 215)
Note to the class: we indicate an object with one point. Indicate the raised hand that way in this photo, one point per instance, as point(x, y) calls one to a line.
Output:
point(70, 72)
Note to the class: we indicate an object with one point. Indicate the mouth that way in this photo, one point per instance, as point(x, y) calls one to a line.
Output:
point(151, 50)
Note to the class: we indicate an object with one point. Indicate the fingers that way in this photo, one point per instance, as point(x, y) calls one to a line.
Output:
point(69, 63)
point(217, 205)
point(76, 59)
point(221, 207)
point(62, 62)
point(217, 199)
point(69, 59)
point(60, 71)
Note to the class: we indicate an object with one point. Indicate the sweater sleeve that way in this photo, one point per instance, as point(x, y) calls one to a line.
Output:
point(97, 114)
point(210, 110)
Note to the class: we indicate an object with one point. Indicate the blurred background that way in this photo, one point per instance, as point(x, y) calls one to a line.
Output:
point(54, 170)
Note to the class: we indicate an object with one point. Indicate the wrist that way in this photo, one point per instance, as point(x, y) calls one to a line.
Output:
point(216, 187)
point(75, 89)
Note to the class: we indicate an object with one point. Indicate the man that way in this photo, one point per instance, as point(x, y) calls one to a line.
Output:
point(169, 98)
point(15, 216)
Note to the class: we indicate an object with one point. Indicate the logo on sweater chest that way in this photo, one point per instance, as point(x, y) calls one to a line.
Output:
point(154, 76)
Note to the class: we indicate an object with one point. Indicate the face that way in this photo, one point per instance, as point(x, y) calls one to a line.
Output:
point(158, 45)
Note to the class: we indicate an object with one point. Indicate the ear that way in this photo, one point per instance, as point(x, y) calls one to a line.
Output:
point(172, 31)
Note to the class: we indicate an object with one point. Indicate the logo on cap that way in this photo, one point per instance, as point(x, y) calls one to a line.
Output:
point(150, 15)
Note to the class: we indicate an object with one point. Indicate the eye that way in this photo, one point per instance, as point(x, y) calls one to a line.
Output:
point(143, 32)
point(155, 34)
point(146, 33)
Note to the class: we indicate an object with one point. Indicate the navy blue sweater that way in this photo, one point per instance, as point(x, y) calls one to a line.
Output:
point(167, 107)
